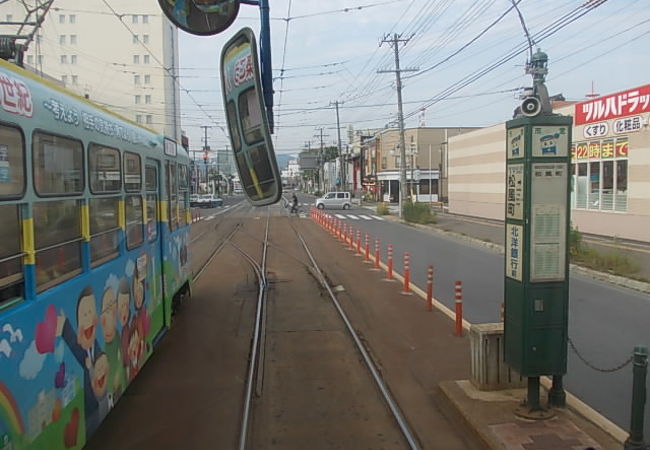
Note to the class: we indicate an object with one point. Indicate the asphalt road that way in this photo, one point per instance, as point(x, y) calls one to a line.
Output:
point(605, 321)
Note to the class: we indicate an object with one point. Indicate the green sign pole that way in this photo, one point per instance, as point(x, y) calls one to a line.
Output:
point(537, 239)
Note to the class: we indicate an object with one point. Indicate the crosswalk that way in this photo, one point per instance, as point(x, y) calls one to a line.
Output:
point(357, 217)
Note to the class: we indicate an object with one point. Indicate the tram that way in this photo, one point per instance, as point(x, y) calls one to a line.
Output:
point(94, 235)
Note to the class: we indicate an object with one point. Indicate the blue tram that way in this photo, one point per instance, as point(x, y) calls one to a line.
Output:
point(94, 235)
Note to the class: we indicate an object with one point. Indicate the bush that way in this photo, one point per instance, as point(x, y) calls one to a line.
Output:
point(575, 241)
point(612, 262)
point(418, 213)
point(382, 209)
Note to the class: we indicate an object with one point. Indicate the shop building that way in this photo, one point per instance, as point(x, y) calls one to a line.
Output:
point(610, 167)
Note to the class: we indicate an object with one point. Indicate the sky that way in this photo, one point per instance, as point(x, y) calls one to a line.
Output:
point(326, 52)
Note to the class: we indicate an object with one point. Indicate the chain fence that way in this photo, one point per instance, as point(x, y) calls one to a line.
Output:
point(600, 369)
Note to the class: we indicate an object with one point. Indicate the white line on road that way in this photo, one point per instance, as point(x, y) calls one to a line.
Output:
point(353, 217)
point(378, 218)
point(365, 217)
point(340, 216)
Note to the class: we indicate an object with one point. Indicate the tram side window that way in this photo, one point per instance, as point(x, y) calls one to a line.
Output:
point(104, 167)
point(58, 165)
point(132, 172)
point(134, 222)
point(171, 195)
point(12, 162)
point(151, 181)
point(57, 234)
point(11, 269)
point(104, 228)
point(183, 186)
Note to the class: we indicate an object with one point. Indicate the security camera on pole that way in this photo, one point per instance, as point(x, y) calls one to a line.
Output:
point(537, 240)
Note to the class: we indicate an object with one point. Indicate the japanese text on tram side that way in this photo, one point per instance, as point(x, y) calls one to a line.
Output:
point(70, 115)
point(16, 96)
point(241, 72)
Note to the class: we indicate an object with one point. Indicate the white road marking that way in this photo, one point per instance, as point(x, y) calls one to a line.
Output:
point(353, 217)
point(340, 216)
point(365, 217)
point(378, 218)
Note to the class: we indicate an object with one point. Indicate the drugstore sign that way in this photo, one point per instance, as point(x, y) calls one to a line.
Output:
point(632, 102)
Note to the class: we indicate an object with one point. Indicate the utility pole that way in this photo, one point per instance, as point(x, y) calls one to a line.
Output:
point(343, 173)
point(321, 178)
point(394, 42)
point(206, 149)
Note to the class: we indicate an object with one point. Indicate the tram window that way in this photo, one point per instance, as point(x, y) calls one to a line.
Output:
point(57, 234)
point(58, 165)
point(151, 178)
point(251, 116)
point(152, 217)
point(11, 269)
point(12, 162)
point(104, 227)
point(232, 125)
point(134, 222)
point(132, 172)
point(104, 167)
point(171, 195)
point(183, 177)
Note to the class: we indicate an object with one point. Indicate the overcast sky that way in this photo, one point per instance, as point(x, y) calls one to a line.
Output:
point(333, 54)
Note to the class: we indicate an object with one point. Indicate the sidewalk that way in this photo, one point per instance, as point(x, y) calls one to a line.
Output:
point(491, 233)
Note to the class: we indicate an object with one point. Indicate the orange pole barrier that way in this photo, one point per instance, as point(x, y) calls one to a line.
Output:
point(430, 288)
point(459, 308)
point(389, 273)
point(351, 236)
point(407, 272)
point(358, 241)
point(377, 253)
point(367, 259)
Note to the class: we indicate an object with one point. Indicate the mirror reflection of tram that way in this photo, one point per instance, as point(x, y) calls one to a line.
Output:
point(247, 120)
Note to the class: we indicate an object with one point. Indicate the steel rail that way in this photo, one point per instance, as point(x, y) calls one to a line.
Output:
point(388, 398)
point(254, 361)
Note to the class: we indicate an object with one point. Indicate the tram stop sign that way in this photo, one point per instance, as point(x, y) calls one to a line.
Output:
point(537, 239)
point(201, 17)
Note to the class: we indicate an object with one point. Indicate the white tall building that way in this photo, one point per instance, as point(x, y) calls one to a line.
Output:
point(117, 58)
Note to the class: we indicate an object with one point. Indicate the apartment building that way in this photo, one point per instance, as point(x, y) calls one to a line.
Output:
point(125, 59)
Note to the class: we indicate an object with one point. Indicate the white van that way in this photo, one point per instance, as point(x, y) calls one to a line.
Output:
point(334, 200)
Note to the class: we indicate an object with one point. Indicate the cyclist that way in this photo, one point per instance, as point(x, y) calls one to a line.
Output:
point(294, 204)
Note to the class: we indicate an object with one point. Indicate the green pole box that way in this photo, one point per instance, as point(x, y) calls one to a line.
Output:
point(536, 244)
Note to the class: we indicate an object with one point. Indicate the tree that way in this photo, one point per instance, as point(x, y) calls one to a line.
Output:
point(330, 153)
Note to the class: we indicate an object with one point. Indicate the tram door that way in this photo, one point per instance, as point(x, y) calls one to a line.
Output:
point(154, 239)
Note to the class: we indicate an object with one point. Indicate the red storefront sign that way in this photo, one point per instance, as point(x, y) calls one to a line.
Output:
point(621, 104)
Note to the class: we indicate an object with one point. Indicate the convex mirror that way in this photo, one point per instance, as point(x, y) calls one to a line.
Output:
point(201, 17)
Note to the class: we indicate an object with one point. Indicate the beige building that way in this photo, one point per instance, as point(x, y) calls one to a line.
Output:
point(115, 61)
point(610, 171)
point(426, 164)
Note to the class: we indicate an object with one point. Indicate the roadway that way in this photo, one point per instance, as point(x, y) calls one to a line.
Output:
point(605, 321)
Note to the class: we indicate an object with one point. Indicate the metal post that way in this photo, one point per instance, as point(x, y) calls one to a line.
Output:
point(635, 440)
point(458, 290)
point(533, 394)
point(556, 395)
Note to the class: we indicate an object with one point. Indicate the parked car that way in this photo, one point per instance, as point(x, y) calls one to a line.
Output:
point(194, 200)
point(209, 201)
point(334, 200)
